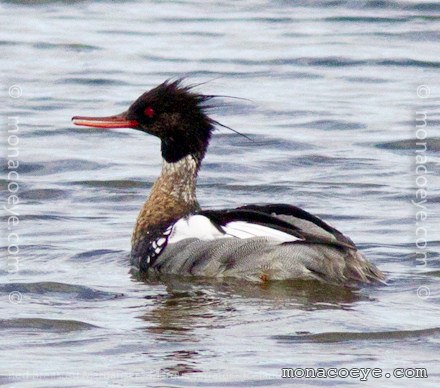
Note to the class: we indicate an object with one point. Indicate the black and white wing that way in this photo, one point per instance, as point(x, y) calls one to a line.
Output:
point(211, 225)
point(280, 223)
point(307, 226)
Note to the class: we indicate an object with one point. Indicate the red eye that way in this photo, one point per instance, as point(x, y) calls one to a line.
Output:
point(149, 112)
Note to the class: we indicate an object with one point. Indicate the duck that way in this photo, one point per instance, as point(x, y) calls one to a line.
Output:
point(173, 235)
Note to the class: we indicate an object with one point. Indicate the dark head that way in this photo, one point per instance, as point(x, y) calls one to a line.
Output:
point(170, 111)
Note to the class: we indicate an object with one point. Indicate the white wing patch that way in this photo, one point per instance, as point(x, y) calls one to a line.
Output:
point(201, 227)
point(243, 229)
point(196, 226)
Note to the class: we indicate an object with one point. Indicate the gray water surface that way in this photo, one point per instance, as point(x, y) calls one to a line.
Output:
point(337, 89)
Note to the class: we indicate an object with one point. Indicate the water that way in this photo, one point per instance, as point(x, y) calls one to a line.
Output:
point(336, 90)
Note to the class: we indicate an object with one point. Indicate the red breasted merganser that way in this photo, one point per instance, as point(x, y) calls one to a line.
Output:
point(173, 235)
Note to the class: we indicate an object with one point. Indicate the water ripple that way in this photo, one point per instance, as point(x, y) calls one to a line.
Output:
point(62, 290)
point(337, 337)
point(45, 325)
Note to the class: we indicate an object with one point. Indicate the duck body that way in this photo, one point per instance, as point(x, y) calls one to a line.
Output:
point(256, 243)
point(173, 235)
